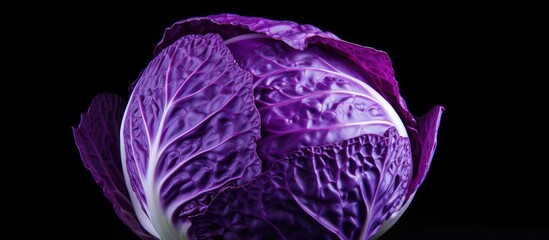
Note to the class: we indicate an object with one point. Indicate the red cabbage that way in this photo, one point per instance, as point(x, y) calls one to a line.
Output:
point(250, 128)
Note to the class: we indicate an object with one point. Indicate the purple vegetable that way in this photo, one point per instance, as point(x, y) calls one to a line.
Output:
point(249, 128)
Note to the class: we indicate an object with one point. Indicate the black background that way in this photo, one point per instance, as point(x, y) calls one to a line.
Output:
point(488, 178)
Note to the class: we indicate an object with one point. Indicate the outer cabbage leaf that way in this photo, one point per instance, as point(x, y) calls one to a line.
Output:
point(232, 25)
point(97, 138)
point(428, 125)
point(339, 191)
point(188, 132)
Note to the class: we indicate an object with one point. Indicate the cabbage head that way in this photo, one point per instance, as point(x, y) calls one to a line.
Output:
point(250, 128)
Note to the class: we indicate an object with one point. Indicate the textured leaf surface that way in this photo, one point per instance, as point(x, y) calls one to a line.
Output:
point(188, 132)
point(309, 97)
point(97, 138)
point(340, 191)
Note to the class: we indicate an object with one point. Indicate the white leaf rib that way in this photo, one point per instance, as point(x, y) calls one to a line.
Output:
point(181, 163)
point(169, 106)
point(195, 126)
point(141, 109)
point(319, 93)
point(188, 77)
point(362, 123)
point(150, 189)
point(311, 213)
